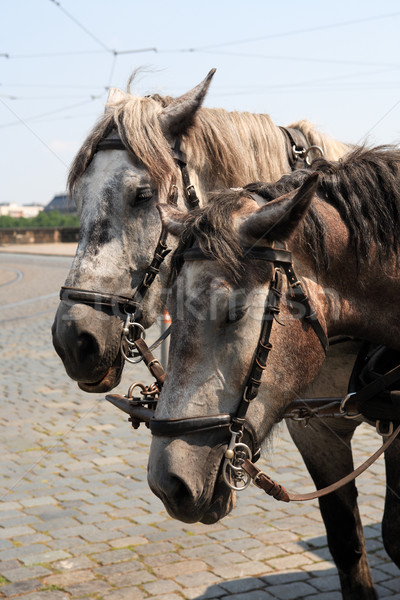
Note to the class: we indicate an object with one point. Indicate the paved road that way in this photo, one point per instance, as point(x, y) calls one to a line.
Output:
point(77, 519)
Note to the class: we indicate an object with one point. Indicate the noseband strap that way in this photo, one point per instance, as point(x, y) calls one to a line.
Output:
point(102, 300)
point(173, 427)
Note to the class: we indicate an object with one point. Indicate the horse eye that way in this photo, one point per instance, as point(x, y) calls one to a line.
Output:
point(235, 314)
point(143, 194)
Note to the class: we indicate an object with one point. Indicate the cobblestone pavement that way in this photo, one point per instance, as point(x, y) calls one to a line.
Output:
point(77, 519)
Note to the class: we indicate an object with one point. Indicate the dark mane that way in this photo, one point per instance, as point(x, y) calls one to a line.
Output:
point(364, 187)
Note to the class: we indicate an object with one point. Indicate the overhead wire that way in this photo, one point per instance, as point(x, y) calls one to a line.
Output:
point(298, 58)
point(52, 112)
point(296, 31)
point(79, 24)
point(33, 132)
point(74, 53)
point(207, 49)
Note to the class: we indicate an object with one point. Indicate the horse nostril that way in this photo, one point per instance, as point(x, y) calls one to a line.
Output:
point(180, 490)
point(86, 346)
point(176, 495)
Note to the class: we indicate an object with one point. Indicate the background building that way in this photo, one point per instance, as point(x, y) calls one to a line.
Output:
point(11, 209)
point(63, 203)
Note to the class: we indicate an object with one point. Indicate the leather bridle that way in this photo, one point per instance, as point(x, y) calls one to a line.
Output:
point(237, 451)
point(129, 309)
point(238, 468)
point(298, 156)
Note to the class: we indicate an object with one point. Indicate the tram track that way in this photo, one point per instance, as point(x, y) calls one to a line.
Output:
point(26, 317)
point(29, 300)
point(18, 276)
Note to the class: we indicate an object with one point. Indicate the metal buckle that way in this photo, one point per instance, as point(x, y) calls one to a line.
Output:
point(343, 409)
point(130, 324)
point(233, 473)
point(306, 153)
point(387, 433)
point(297, 152)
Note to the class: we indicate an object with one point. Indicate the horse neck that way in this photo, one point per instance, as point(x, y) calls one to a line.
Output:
point(357, 298)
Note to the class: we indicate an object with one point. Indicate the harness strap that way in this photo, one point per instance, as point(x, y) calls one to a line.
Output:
point(188, 187)
point(296, 145)
point(151, 363)
point(114, 143)
point(380, 384)
point(300, 295)
point(173, 427)
point(271, 309)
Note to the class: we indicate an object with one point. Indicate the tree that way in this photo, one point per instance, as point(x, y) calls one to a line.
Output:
point(52, 218)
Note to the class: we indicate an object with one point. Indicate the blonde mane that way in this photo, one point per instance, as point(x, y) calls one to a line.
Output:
point(224, 148)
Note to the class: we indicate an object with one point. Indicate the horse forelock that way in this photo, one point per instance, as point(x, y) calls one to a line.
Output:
point(136, 121)
point(212, 230)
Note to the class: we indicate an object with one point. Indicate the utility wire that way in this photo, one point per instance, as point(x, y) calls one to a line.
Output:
point(52, 112)
point(301, 59)
point(89, 33)
point(33, 132)
point(75, 53)
point(51, 54)
point(379, 121)
point(12, 97)
point(295, 32)
point(51, 85)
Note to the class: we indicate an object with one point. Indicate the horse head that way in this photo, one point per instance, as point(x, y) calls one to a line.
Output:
point(122, 170)
point(225, 264)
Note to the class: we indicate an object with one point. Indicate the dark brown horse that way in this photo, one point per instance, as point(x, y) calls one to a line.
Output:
point(124, 167)
point(344, 235)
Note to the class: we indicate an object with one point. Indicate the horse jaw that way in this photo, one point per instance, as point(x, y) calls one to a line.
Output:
point(110, 380)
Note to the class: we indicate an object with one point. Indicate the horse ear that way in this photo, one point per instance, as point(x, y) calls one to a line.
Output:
point(172, 218)
point(279, 218)
point(178, 116)
point(115, 95)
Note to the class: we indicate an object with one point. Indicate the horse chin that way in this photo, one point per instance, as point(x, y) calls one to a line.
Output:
point(222, 502)
point(109, 381)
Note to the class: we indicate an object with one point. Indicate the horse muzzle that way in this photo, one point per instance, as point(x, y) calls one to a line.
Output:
point(89, 346)
point(187, 478)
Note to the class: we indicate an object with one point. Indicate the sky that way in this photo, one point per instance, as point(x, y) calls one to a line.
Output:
point(336, 64)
